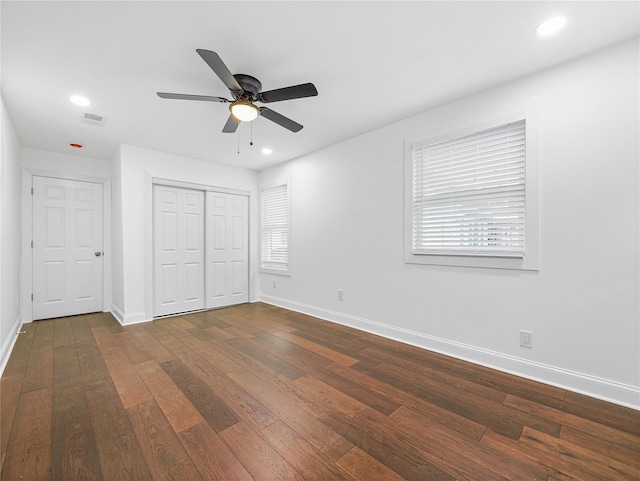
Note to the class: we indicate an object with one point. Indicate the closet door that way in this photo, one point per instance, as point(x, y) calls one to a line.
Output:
point(227, 273)
point(178, 234)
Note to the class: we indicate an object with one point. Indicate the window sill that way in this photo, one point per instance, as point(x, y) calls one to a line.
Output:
point(522, 264)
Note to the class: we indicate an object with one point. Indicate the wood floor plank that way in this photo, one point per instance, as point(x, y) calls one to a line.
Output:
point(155, 348)
point(362, 466)
point(579, 457)
point(62, 333)
point(134, 350)
point(74, 453)
point(612, 415)
point(131, 388)
point(466, 458)
point(266, 358)
point(81, 329)
point(29, 450)
point(301, 455)
point(211, 407)
point(211, 455)
point(318, 434)
point(43, 336)
point(210, 352)
point(439, 414)
point(106, 340)
point(10, 388)
point(244, 405)
point(164, 454)
point(322, 350)
point(404, 459)
point(556, 467)
point(120, 454)
point(173, 402)
point(39, 372)
point(587, 426)
point(308, 361)
point(93, 369)
point(257, 456)
point(319, 397)
point(366, 396)
point(627, 454)
point(243, 360)
point(500, 418)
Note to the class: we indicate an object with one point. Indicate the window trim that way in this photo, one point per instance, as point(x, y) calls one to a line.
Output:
point(530, 261)
point(274, 270)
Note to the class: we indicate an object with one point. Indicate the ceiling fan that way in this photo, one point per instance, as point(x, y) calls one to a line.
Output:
point(245, 91)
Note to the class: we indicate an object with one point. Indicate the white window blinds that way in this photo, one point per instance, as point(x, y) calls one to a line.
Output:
point(274, 228)
point(469, 194)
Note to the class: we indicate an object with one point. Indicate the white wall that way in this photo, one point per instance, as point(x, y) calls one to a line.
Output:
point(10, 185)
point(137, 168)
point(582, 305)
point(65, 166)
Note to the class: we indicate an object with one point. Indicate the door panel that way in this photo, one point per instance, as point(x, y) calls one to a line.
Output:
point(67, 232)
point(178, 250)
point(227, 249)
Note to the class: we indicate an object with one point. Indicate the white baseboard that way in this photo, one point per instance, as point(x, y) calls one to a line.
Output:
point(117, 313)
point(607, 390)
point(9, 342)
point(128, 319)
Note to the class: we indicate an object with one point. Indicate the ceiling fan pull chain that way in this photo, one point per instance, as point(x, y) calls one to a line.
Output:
point(238, 142)
point(251, 140)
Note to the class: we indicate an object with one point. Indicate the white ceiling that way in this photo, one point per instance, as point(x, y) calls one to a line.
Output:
point(372, 62)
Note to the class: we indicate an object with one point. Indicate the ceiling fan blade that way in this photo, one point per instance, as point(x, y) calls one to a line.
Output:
point(280, 119)
point(220, 69)
point(207, 98)
point(231, 126)
point(288, 93)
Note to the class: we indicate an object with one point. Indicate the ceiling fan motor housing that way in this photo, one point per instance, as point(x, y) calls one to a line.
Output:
point(249, 84)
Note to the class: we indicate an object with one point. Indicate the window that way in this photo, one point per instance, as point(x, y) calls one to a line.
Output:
point(274, 229)
point(468, 197)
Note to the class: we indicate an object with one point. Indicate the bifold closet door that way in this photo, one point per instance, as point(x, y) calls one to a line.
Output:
point(227, 273)
point(178, 237)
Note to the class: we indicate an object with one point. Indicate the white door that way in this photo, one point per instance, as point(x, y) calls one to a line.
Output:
point(67, 247)
point(227, 249)
point(178, 235)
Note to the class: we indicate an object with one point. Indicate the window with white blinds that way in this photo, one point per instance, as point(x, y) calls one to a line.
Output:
point(469, 194)
point(274, 228)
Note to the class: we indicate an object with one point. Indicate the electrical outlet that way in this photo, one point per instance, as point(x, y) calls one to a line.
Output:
point(340, 295)
point(526, 338)
point(275, 283)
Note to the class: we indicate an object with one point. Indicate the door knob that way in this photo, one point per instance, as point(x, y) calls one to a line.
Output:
point(98, 254)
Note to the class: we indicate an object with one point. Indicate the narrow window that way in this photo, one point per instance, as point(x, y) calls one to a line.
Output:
point(274, 229)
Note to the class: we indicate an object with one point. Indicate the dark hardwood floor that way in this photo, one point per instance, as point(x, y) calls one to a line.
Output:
point(258, 393)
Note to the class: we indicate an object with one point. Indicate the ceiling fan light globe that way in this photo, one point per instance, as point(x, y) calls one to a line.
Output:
point(243, 111)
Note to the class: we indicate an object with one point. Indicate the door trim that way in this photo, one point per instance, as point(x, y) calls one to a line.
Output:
point(27, 234)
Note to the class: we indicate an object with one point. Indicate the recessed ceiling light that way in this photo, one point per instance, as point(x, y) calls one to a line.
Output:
point(551, 26)
point(267, 151)
point(79, 100)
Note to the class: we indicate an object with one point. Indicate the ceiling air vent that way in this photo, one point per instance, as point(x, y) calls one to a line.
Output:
point(93, 119)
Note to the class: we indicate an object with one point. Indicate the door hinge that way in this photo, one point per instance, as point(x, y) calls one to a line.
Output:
point(31, 297)
point(32, 244)
point(31, 190)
